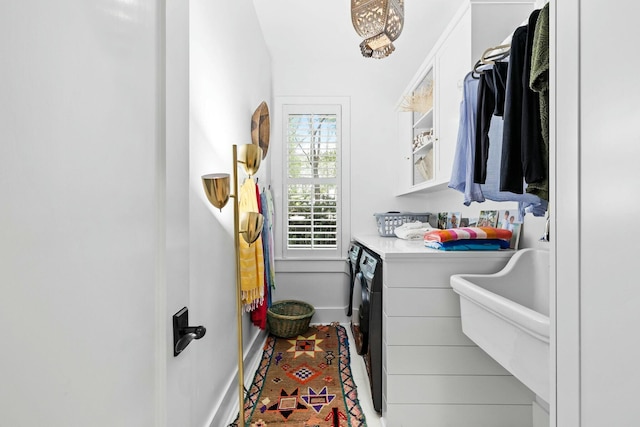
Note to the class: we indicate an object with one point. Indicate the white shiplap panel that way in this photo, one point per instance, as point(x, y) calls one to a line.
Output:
point(458, 415)
point(435, 272)
point(421, 302)
point(462, 389)
point(441, 360)
point(384, 388)
point(425, 331)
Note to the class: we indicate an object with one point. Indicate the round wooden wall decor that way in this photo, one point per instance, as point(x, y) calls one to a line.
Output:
point(260, 128)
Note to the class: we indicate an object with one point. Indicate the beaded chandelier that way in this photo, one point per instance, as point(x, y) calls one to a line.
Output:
point(379, 23)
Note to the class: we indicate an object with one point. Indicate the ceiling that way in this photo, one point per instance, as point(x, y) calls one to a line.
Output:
point(300, 29)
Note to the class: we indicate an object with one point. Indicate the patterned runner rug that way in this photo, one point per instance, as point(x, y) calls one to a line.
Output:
point(305, 382)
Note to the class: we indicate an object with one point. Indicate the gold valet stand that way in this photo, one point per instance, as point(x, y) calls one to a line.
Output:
point(216, 186)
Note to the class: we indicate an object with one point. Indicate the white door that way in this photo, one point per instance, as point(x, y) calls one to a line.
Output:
point(92, 213)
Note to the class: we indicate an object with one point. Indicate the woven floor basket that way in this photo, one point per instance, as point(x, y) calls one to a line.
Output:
point(289, 318)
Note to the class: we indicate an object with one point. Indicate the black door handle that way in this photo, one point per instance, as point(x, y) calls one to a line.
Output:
point(183, 334)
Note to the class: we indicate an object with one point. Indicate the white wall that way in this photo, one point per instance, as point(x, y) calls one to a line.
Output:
point(83, 237)
point(229, 75)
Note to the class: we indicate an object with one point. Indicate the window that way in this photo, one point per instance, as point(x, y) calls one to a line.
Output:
point(312, 180)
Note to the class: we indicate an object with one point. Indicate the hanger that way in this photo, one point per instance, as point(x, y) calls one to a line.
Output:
point(496, 53)
point(475, 73)
point(489, 57)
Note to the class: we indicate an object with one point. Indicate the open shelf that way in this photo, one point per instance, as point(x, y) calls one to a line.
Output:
point(423, 148)
point(425, 121)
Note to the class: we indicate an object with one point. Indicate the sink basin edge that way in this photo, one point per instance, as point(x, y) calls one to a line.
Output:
point(520, 316)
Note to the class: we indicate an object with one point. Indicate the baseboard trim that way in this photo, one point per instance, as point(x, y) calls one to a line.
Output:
point(227, 411)
point(327, 315)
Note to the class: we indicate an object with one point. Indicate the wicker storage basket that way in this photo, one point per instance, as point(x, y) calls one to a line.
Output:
point(289, 318)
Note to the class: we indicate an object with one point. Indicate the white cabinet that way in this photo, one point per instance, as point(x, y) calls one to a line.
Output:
point(428, 135)
point(433, 375)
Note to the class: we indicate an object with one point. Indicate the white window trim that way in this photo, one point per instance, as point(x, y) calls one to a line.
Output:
point(278, 169)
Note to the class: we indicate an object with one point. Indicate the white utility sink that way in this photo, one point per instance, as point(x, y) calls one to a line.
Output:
point(507, 315)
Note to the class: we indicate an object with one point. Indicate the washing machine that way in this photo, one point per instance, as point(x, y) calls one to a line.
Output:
point(369, 341)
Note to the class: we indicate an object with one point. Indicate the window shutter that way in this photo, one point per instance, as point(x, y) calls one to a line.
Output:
point(312, 180)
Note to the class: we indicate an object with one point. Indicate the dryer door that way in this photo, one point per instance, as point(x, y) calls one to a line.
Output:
point(362, 344)
point(355, 253)
point(352, 280)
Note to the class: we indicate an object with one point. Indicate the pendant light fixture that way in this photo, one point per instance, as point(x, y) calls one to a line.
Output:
point(379, 23)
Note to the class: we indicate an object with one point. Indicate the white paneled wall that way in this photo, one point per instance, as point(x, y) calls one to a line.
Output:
point(433, 374)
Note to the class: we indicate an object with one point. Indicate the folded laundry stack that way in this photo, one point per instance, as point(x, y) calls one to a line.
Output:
point(468, 239)
point(412, 230)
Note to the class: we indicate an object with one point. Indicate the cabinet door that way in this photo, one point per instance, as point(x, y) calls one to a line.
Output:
point(404, 173)
point(422, 140)
point(416, 127)
point(453, 62)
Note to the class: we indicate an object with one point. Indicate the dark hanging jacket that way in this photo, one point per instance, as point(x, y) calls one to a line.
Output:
point(522, 144)
point(491, 91)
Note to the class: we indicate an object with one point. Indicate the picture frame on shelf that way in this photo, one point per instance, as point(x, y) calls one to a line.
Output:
point(449, 220)
point(442, 220)
point(506, 219)
point(453, 219)
point(488, 218)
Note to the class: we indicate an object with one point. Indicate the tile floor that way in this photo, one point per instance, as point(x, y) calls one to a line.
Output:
point(359, 372)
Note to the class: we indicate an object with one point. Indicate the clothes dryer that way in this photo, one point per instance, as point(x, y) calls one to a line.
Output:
point(369, 341)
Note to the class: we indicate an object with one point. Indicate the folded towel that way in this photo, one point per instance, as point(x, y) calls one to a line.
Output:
point(469, 245)
point(412, 230)
point(467, 233)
